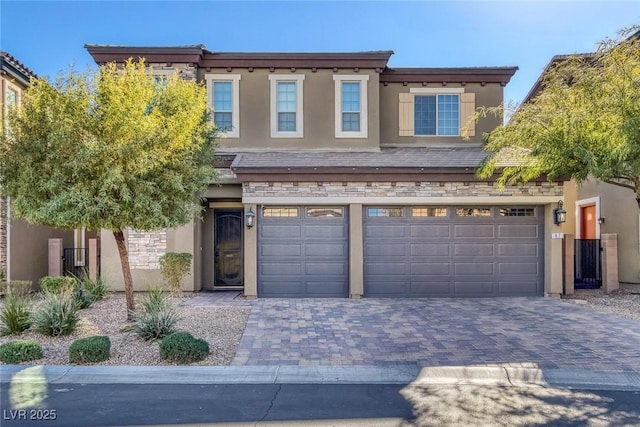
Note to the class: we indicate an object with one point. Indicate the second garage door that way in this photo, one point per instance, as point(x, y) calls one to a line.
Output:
point(303, 251)
point(453, 251)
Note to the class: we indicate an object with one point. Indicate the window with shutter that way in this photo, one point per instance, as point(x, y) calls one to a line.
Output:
point(436, 112)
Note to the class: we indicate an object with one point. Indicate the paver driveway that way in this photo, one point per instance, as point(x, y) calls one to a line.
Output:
point(431, 332)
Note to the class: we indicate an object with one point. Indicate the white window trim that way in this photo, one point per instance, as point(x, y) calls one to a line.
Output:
point(10, 86)
point(439, 91)
point(299, 80)
point(586, 202)
point(364, 122)
point(235, 88)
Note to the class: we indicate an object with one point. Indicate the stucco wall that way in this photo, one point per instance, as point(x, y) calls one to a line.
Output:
point(318, 112)
point(622, 216)
point(490, 95)
point(145, 271)
point(30, 249)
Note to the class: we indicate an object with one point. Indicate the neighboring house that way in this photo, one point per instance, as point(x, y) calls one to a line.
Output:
point(344, 177)
point(23, 247)
point(595, 208)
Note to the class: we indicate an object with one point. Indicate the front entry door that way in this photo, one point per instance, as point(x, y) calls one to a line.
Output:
point(588, 222)
point(227, 247)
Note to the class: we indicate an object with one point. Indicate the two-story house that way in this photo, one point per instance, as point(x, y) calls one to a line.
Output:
point(341, 176)
point(23, 247)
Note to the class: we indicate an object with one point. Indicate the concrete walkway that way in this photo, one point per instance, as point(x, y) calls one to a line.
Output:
point(435, 332)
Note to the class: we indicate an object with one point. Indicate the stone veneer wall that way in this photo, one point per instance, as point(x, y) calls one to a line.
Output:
point(186, 71)
point(397, 189)
point(146, 248)
point(3, 234)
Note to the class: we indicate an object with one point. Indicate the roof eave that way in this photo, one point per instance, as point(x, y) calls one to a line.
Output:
point(119, 54)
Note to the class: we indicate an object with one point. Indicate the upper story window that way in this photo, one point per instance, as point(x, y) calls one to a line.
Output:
point(223, 105)
point(223, 91)
point(11, 100)
point(351, 106)
point(286, 106)
point(437, 115)
point(436, 112)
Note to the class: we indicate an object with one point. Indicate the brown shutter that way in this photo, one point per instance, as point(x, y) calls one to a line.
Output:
point(405, 114)
point(467, 108)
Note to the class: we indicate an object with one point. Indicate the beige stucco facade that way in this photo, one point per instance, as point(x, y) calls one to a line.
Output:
point(620, 214)
point(446, 182)
point(318, 109)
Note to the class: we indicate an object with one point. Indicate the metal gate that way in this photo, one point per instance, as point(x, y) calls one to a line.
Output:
point(587, 264)
point(75, 262)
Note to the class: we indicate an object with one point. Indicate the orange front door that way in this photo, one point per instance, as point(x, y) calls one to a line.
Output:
point(588, 222)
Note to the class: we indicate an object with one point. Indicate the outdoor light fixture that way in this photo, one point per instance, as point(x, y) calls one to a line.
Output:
point(559, 214)
point(250, 217)
point(601, 220)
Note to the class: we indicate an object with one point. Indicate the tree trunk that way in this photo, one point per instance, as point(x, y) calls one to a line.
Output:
point(126, 272)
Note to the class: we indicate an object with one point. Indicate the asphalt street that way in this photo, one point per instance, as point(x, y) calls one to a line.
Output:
point(174, 404)
point(323, 405)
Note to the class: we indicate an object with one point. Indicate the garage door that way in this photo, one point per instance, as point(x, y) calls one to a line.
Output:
point(453, 251)
point(303, 251)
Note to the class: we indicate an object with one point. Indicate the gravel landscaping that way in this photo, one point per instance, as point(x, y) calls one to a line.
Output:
point(221, 327)
point(622, 302)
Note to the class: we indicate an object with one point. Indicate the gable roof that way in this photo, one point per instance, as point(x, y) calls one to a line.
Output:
point(16, 69)
point(537, 86)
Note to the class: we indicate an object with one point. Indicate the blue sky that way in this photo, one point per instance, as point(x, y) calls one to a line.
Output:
point(48, 36)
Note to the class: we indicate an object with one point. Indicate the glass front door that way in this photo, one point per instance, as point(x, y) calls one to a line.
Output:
point(227, 247)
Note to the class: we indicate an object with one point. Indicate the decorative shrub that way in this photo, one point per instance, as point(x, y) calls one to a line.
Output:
point(90, 350)
point(15, 315)
point(183, 348)
point(20, 351)
point(19, 288)
point(96, 288)
point(57, 315)
point(174, 266)
point(58, 284)
point(82, 298)
point(155, 317)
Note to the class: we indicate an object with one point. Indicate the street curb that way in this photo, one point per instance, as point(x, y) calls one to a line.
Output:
point(286, 374)
point(496, 375)
point(509, 376)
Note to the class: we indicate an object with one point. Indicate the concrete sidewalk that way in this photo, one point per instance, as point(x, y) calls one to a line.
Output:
point(498, 375)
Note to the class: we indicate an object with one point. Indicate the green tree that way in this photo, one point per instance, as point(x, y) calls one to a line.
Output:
point(111, 149)
point(585, 122)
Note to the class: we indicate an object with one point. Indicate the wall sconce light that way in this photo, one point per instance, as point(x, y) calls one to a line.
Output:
point(601, 220)
point(559, 214)
point(250, 218)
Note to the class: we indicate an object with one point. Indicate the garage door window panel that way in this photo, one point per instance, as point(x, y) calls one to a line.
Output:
point(429, 212)
point(517, 212)
point(278, 212)
point(384, 212)
point(324, 212)
point(473, 212)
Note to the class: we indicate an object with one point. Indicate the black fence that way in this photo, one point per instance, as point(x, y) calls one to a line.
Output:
point(75, 261)
point(587, 264)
